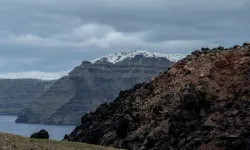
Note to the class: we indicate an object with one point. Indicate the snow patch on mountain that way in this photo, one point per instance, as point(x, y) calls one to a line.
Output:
point(118, 57)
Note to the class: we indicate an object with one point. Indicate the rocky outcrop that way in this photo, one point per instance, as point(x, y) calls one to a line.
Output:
point(15, 94)
point(201, 102)
point(89, 85)
point(42, 134)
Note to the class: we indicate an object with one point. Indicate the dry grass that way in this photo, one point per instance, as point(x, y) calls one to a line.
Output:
point(14, 142)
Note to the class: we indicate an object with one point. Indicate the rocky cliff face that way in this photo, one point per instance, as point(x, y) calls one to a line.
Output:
point(15, 94)
point(201, 102)
point(91, 84)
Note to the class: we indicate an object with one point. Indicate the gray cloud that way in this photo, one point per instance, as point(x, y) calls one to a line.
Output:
point(55, 35)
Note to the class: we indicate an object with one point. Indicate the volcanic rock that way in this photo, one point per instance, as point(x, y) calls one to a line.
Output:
point(179, 110)
point(43, 134)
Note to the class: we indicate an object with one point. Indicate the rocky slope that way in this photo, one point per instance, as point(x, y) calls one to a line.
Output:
point(91, 84)
point(15, 94)
point(201, 102)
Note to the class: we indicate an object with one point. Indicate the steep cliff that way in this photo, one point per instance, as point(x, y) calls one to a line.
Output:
point(91, 84)
point(201, 102)
point(15, 94)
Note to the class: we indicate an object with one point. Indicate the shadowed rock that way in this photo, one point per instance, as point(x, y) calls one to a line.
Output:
point(43, 134)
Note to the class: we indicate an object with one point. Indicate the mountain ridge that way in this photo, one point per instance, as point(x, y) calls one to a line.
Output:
point(87, 86)
point(121, 56)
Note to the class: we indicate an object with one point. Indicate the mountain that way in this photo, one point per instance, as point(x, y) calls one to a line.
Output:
point(126, 57)
point(91, 84)
point(15, 94)
point(201, 102)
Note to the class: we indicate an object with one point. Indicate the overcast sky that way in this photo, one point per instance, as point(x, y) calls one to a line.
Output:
point(47, 38)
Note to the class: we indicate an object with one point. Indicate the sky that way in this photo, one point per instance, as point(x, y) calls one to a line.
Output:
point(47, 38)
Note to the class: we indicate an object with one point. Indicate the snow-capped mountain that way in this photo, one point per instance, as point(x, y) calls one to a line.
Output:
point(118, 57)
point(91, 84)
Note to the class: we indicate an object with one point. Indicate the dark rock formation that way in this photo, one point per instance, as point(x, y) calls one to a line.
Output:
point(246, 44)
point(15, 94)
point(43, 134)
point(88, 86)
point(201, 102)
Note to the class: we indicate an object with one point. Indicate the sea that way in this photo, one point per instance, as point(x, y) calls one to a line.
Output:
point(8, 125)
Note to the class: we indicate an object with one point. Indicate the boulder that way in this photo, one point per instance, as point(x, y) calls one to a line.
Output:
point(246, 43)
point(220, 48)
point(42, 134)
point(121, 126)
point(66, 137)
point(236, 46)
point(193, 99)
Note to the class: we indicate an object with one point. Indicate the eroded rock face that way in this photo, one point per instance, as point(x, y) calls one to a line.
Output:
point(16, 94)
point(87, 86)
point(201, 102)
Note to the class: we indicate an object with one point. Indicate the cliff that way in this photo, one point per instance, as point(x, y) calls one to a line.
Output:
point(91, 84)
point(15, 94)
point(201, 102)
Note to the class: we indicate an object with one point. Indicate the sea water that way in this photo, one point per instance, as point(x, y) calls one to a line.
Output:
point(8, 125)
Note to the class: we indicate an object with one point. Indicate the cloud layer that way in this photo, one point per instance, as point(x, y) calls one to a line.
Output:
point(56, 35)
point(33, 74)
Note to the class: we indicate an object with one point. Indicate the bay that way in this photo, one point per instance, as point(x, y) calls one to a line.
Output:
point(8, 125)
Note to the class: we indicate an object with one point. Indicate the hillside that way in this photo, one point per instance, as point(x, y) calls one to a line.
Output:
point(15, 94)
point(91, 84)
point(201, 102)
point(14, 142)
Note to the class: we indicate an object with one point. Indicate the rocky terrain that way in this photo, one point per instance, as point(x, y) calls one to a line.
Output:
point(201, 102)
point(15, 94)
point(93, 83)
